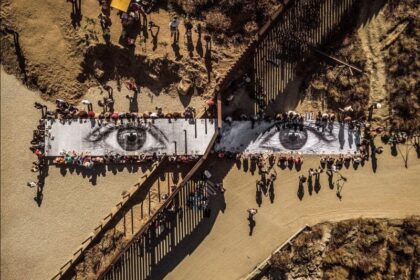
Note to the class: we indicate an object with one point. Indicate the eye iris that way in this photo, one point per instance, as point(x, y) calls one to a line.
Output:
point(131, 139)
point(293, 140)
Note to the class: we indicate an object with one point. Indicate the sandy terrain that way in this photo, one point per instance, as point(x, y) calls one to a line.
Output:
point(228, 252)
point(36, 241)
point(61, 60)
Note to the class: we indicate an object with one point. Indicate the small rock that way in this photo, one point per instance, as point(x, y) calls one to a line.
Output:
point(184, 86)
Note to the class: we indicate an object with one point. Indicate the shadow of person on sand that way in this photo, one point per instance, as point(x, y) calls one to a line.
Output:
point(271, 193)
point(330, 175)
point(102, 169)
point(154, 32)
point(208, 56)
point(251, 224)
point(76, 13)
point(301, 190)
point(317, 185)
point(42, 174)
point(239, 164)
point(245, 165)
point(199, 45)
point(373, 156)
point(176, 49)
point(258, 194)
point(310, 185)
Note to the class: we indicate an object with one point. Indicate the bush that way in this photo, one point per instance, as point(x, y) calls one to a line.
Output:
point(191, 7)
point(217, 22)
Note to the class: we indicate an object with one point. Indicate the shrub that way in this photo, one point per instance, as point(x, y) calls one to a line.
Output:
point(217, 22)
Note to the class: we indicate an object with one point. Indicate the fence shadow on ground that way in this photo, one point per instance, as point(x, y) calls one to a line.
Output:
point(171, 238)
point(285, 49)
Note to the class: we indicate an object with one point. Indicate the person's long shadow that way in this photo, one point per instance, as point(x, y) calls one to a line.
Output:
point(76, 13)
point(175, 48)
point(253, 166)
point(154, 32)
point(100, 170)
point(207, 60)
point(271, 193)
point(301, 190)
point(42, 174)
point(310, 185)
point(330, 175)
point(373, 156)
point(190, 46)
point(239, 164)
point(251, 224)
point(21, 58)
point(258, 195)
point(199, 45)
point(317, 186)
point(245, 165)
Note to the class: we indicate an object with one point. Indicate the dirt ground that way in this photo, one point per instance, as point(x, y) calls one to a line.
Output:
point(229, 252)
point(63, 62)
point(37, 241)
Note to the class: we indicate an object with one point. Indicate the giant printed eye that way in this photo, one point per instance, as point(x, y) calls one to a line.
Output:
point(131, 139)
point(307, 140)
point(292, 139)
point(128, 138)
point(261, 137)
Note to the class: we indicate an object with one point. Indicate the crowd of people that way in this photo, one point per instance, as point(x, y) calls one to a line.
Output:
point(40, 165)
point(88, 161)
point(64, 111)
point(131, 20)
point(294, 120)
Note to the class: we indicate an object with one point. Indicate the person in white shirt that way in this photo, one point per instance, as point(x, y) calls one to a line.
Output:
point(88, 103)
point(173, 26)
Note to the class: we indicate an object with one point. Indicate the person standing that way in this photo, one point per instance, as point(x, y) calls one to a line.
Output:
point(88, 104)
point(173, 26)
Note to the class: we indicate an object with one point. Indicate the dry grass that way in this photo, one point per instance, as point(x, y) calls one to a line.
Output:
point(360, 249)
point(231, 20)
point(338, 84)
point(403, 64)
point(96, 257)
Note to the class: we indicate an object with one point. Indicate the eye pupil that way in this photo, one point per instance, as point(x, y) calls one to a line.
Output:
point(131, 139)
point(293, 140)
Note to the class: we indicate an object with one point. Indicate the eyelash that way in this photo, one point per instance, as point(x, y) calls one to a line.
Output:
point(112, 128)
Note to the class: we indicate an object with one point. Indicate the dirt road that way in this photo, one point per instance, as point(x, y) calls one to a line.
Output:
point(36, 241)
point(229, 252)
